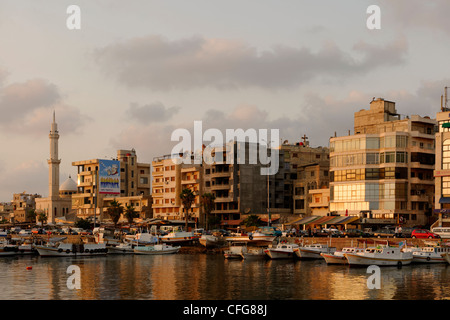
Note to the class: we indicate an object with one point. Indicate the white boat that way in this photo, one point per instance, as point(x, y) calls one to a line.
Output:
point(430, 254)
point(207, 240)
point(253, 253)
point(142, 238)
point(254, 237)
point(56, 249)
point(7, 249)
point(282, 251)
point(179, 237)
point(156, 249)
point(338, 257)
point(122, 248)
point(235, 251)
point(313, 251)
point(380, 256)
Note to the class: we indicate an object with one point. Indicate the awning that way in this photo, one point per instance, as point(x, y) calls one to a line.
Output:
point(444, 200)
point(320, 220)
point(271, 220)
point(231, 222)
point(305, 220)
point(348, 219)
point(336, 219)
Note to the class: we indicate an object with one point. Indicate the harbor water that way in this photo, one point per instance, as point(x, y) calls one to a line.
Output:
point(211, 277)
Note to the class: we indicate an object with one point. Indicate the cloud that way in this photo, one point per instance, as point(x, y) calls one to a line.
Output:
point(27, 107)
point(154, 112)
point(157, 63)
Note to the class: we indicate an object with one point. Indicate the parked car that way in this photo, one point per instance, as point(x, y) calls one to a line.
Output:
point(25, 232)
point(384, 232)
point(271, 231)
point(424, 234)
point(352, 233)
point(404, 232)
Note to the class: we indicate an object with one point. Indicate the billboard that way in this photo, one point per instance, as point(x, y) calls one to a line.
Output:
point(109, 177)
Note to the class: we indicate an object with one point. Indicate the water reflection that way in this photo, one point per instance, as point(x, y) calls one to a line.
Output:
point(204, 277)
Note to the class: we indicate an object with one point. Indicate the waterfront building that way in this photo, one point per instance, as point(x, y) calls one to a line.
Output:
point(169, 179)
point(22, 203)
point(54, 206)
point(442, 170)
point(134, 183)
point(384, 171)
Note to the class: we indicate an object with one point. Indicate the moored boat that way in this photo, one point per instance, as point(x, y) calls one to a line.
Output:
point(446, 257)
point(253, 254)
point(208, 240)
point(380, 256)
point(254, 237)
point(55, 247)
point(313, 251)
point(156, 249)
point(338, 257)
point(122, 248)
point(430, 254)
point(180, 237)
point(283, 250)
point(235, 251)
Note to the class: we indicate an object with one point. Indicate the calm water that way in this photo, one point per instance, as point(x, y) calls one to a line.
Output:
point(211, 277)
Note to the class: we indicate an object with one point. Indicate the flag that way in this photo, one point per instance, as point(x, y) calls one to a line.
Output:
point(401, 244)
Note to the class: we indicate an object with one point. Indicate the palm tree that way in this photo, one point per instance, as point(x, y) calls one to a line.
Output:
point(42, 217)
point(252, 221)
point(187, 197)
point(130, 214)
point(32, 215)
point(114, 211)
point(208, 205)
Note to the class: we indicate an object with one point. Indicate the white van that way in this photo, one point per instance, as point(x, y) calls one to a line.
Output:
point(443, 232)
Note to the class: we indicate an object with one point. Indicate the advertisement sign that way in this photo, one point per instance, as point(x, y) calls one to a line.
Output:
point(109, 177)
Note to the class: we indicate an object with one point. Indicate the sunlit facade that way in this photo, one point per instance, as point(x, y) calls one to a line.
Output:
point(384, 171)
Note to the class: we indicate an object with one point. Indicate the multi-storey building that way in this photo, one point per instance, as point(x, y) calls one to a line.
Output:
point(384, 172)
point(22, 204)
point(442, 171)
point(169, 179)
point(134, 182)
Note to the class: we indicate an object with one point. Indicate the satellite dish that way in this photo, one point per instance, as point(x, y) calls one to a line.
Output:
point(247, 210)
point(285, 142)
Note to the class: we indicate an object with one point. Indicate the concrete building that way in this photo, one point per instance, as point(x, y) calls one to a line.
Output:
point(22, 204)
point(169, 179)
point(54, 206)
point(442, 168)
point(134, 182)
point(384, 171)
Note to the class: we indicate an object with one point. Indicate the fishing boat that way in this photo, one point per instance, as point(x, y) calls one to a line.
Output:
point(235, 250)
point(56, 248)
point(142, 238)
point(338, 257)
point(156, 249)
point(122, 248)
point(430, 254)
point(253, 238)
point(208, 240)
point(179, 236)
point(7, 249)
point(283, 250)
point(313, 251)
point(253, 253)
point(380, 256)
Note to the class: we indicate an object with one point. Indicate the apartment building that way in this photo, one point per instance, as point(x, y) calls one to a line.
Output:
point(384, 171)
point(169, 179)
point(134, 182)
point(22, 203)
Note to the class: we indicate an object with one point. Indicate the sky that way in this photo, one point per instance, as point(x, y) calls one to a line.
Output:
point(136, 71)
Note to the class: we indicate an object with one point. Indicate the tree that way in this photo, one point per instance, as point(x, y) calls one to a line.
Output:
point(114, 211)
point(187, 197)
point(252, 221)
point(83, 224)
point(130, 214)
point(208, 205)
point(32, 215)
point(42, 217)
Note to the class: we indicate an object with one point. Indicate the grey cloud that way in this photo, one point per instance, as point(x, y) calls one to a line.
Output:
point(160, 64)
point(154, 112)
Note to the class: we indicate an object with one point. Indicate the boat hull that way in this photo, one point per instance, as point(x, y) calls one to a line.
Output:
point(428, 259)
point(361, 260)
point(334, 259)
point(156, 250)
point(88, 251)
point(446, 257)
point(309, 253)
point(279, 254)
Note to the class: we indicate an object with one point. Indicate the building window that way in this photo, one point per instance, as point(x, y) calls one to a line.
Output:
point(446, 154)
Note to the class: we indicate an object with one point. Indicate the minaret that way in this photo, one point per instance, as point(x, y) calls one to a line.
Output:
point(53, 162)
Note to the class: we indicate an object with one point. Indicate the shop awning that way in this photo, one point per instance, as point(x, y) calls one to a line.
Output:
point(231, 222)
point(444, 200)
point(305, 220)
point(324, 220)
point(348, 220)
